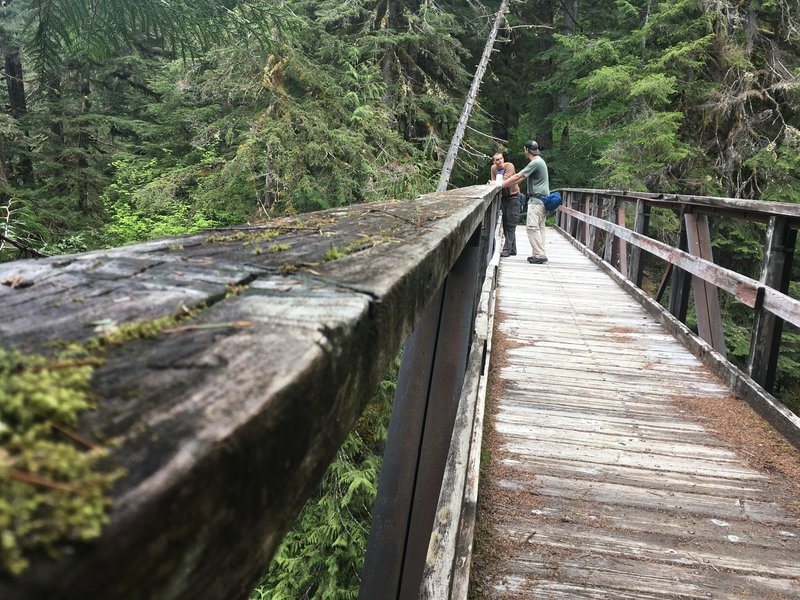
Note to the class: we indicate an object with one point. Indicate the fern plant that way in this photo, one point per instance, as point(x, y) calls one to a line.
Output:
point(322, 556)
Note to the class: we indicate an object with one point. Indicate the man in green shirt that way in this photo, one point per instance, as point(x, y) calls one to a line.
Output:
point(535, 172)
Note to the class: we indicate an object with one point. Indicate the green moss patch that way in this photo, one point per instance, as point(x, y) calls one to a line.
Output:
point(51, 491)
point(53, 486)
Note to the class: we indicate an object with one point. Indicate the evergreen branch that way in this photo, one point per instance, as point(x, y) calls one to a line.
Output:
point(99, 28)
point(22, 247)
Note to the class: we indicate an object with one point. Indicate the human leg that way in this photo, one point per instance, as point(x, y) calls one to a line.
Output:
point(510, 219)
point(535, 229)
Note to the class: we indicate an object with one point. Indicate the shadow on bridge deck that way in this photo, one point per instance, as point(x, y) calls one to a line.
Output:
point(601, 481)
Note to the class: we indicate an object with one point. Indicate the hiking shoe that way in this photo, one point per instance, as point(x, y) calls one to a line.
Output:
point(505, 254)
point(536, 261)
point(513, 253)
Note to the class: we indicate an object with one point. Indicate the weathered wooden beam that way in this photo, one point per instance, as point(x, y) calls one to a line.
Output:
point(641, 226)
point(452, 355)
point(762, 363)
point(587, 230)
point(680, 282)
point(755, 210)
point(706, 298)
point(449, 554)
point(621, 245)
point(608, 250)
point(743, 288)
point(223, 430)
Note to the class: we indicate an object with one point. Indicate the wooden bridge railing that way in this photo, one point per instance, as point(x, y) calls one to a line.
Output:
point(596, 221)
point(232, 366)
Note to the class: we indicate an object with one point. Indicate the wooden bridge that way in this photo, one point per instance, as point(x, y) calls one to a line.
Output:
point(624, 458)
point(613, 473)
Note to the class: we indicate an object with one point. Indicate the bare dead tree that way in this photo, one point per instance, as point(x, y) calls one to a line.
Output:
point(455, 143)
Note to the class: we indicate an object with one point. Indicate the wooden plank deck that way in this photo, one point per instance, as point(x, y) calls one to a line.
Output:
point(601, 484)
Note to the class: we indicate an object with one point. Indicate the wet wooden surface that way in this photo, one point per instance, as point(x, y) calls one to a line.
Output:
point(601, 485)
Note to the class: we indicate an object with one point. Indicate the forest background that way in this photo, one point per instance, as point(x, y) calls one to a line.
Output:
point(125, 121)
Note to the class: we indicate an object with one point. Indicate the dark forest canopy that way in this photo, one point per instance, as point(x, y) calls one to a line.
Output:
point(130, 120)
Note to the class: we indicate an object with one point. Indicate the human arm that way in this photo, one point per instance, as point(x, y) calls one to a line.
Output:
point(514, 179)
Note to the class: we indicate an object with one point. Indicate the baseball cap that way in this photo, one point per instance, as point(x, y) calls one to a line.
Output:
point(532, 147)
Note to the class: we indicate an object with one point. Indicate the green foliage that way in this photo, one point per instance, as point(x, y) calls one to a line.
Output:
point(139, 210)
point(51, 491)
point(322, 556)
point(776, 169)
point(98, 30)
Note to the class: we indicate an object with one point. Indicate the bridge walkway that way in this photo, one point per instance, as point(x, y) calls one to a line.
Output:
point(608, 477)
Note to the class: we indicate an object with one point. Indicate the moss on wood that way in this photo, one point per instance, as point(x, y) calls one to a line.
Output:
point(53, 487)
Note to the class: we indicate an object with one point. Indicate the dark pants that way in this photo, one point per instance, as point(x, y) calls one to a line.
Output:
point(510, 206)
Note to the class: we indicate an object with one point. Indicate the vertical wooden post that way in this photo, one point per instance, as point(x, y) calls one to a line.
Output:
point(706, 296)
point(573, 222)
point(587, 229)
point(765, 342)
point(680, 284)
point(591, 239)
point(425, 403)
point(608, 251)
point(640, 225)
point(621, 245)
point(561, 217)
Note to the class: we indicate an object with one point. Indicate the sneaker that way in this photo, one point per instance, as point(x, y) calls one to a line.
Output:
point(513, 253)
point(536, 261)
point(504, 254)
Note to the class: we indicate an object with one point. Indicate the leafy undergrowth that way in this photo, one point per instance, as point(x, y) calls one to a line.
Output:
point(322, 556)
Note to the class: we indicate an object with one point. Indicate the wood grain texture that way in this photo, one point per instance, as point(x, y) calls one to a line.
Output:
point(224, 432)
point(604, 487)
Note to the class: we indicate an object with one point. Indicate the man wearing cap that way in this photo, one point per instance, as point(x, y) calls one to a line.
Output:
point(509, 203)
point(538, 187)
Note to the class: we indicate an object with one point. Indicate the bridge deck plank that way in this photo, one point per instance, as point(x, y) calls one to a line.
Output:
point(600, 484)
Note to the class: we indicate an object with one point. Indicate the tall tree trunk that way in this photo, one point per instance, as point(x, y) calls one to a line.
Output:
point(18, 108)
point(14, 83)
point(570, 27)
point(455, 143)
point(396, 57)
point(56, 125)
point(83, 144)
point(547, 103)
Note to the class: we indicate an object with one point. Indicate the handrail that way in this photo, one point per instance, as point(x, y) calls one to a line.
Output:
point(760, 209)
point(743, 288)
point(225, 418)
point(588, 215)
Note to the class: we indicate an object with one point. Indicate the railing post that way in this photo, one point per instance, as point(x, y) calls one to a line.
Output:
point(561, 218)
point(706, 297)
point(641, 225)
point(588, 230)
point(423, 412)
point(765, 342)
point(621, 245)
point(572, 223)
point(680, 284)
point(595, 212)
point(608, 251)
